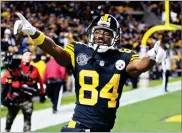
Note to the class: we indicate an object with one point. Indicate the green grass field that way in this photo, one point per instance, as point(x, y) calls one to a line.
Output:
point(71, 99)
point(145, 116)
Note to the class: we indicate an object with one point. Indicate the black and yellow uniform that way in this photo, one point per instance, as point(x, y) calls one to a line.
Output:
point(98, 85)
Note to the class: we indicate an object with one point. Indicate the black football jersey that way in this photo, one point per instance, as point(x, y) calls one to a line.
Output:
point(99, 82)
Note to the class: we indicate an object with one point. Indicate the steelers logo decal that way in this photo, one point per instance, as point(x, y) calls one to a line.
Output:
point(120, 64)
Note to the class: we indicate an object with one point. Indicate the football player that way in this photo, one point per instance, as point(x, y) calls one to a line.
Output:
point(100, 70)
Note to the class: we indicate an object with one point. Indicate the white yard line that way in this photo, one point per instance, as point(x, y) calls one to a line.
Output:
point(144, 94)
point(44, 118)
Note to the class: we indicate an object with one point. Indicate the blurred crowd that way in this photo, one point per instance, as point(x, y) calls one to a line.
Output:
point(67, 22)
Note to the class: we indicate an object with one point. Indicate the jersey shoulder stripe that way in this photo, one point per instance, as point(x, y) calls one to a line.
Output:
point(70, 49)
point(134, 56)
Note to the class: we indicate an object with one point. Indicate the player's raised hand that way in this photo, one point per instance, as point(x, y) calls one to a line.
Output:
point(156, 46)
point(157, 53)
point(23, 25)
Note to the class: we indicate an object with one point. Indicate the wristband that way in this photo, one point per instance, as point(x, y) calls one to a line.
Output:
point(39, 40)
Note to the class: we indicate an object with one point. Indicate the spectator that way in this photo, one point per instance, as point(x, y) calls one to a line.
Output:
point(166, 67)
point(18, 94)
point(54, 78)
point(39, 63)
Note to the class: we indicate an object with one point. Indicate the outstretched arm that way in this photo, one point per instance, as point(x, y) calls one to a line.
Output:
point(50, 47)
point(137, 67)
point(156, 54)
point(44, 42)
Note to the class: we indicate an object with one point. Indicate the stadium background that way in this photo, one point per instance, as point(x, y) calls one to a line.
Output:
point(66, 22)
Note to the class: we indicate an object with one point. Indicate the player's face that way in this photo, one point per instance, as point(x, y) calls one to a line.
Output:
point(103, 36)
point(27, 57)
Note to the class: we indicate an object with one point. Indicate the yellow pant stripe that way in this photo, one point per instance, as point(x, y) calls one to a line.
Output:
point(72, 124)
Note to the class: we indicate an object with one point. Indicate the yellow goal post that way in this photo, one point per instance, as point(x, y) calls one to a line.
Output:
point(167, 26)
